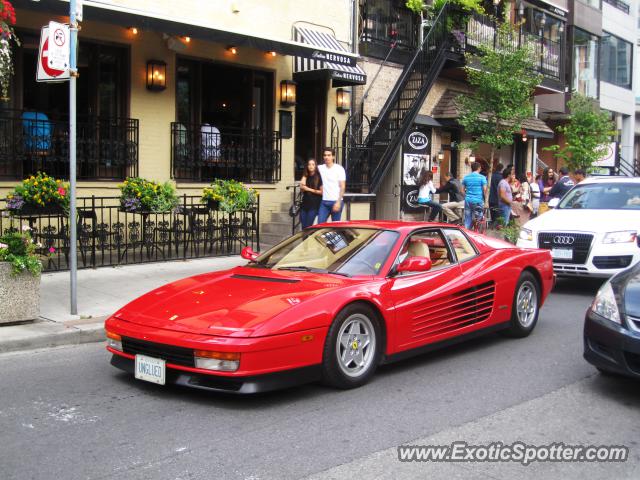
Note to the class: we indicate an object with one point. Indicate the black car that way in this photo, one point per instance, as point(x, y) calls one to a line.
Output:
point(612, 325)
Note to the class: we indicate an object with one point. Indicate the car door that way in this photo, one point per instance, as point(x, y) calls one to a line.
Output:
point(490, 276)
point(425, 302)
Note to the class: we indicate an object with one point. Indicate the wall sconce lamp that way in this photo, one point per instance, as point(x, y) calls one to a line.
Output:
point(343, 100)
point(186, 39)
point(133, 30)
point(523, 132)
point(272, 53)
point(287, 93)
point(156, 75)
point(232, 49)
point(470, 159)
point(440, 155)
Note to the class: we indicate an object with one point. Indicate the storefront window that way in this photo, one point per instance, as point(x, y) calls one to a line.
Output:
point(585, 63)
point(616, 60)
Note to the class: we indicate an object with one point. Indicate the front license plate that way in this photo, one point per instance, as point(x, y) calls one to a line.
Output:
point(150, 369)
point(562, 253)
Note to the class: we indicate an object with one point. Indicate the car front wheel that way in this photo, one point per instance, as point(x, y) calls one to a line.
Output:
point(353, 348)
point(526, 306)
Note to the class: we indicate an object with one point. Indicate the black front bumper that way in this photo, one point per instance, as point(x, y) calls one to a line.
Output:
point(610, 346)
point(234, 385)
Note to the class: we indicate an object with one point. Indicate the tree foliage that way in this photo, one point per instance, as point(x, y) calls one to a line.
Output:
point(587, 134)
point(503, 81)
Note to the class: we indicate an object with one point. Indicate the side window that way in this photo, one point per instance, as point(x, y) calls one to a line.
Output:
point(430, 244)
point(460, 243)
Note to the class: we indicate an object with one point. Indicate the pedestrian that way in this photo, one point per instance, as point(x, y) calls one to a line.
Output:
point(496, 176)
point(475, 186)
point(505, 195)
point(521, 207)
point(562, 186)
point(535, 194)
point(425, 193)
point(579, 175)
point(545, 183)
point(455, 202)
point(334, 180)
point(311, 187)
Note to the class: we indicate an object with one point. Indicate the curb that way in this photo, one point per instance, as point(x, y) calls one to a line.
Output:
point(46, 334)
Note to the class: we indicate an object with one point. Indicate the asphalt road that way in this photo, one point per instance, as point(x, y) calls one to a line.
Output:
point(66, 414)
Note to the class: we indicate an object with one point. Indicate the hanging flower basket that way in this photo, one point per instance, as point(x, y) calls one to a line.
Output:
point(139, 195)
point(7, 36)
point(39, 195)
point(229, 195)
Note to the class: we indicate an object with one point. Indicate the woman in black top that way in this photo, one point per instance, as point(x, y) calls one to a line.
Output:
point(311, 187)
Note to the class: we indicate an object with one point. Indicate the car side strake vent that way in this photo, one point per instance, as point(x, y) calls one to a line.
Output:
point(454, 311)
point(264, 279)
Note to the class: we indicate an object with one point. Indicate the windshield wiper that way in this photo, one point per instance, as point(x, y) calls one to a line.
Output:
point(302, 268)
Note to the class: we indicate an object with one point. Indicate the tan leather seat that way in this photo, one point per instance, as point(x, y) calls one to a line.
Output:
point(418, 249)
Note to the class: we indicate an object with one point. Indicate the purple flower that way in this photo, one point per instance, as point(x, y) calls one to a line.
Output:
point(132, 204)
point(459, 36)
point(15, 203)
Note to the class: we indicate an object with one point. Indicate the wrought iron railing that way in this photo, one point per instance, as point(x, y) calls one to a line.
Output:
point(385, 22)
point(481, 30)
point(201, 152)
point(107, 147)
point(109, 236)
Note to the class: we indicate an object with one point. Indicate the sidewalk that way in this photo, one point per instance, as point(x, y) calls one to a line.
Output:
point(100, 293)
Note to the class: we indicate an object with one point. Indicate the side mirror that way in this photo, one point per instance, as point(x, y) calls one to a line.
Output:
point(553, 203)
point(415, 264)
point(248, 254)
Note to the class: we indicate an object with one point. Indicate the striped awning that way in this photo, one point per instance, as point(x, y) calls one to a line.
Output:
point(324, 64)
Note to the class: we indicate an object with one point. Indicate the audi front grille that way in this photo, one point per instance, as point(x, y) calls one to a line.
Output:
point(579, 243)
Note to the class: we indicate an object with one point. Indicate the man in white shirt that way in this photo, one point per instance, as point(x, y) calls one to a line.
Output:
point(333, 187)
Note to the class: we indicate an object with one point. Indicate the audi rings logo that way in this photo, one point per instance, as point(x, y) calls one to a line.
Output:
point(563, 240)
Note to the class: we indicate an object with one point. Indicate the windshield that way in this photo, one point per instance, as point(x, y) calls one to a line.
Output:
point(340, 250)
point(603, 196)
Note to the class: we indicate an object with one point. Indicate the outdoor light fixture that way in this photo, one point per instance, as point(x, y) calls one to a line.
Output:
point(343, 100)
point(524, 135)
point(287, 93)
point(186, 39)
point(232, 49)
point(133, 30)
point(273, 54)
point(472, 158)
point(156, 75)
point(440, 155)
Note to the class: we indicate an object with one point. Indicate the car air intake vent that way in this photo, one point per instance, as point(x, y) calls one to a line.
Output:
point(175, 355)
point(617, 261)
point(454, 311)
point(258, 278)
point(578, 243)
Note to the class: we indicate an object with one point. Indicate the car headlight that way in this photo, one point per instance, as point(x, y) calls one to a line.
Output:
point(221, 361)
point(605, 303)
point(625, 236)
point(114, 341)
point(526, 234)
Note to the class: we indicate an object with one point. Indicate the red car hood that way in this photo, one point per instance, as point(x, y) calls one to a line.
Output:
point(233, 303)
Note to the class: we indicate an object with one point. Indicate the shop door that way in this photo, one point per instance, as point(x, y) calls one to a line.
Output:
point(310, 123)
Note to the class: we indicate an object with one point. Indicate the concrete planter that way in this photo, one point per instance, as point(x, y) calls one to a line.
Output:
point(19, 295)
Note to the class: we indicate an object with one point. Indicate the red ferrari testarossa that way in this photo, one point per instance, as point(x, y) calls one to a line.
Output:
point(330, 303)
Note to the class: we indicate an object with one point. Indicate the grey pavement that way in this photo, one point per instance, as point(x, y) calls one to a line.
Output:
point(101, 292)
point(67, 414)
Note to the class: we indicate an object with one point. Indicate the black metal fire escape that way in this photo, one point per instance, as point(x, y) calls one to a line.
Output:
point(370, 149)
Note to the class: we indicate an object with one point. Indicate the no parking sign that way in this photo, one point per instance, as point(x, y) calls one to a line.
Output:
point(53, 55)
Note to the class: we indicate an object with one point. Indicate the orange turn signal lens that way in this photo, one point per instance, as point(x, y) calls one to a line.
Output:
point(114, 336)
point(217, 355)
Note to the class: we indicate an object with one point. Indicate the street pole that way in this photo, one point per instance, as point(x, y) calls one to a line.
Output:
point(73, 73)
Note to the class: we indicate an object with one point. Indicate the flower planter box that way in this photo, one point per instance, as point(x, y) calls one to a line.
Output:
point(213, 204)
point(19, 295)
point(34, 211)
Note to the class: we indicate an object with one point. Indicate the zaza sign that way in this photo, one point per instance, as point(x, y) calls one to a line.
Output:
point(418, 140)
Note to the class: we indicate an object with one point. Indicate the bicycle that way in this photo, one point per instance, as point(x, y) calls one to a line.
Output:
point(479, 219)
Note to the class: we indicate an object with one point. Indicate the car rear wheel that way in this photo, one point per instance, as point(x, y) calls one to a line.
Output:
point(526, 306)
point(353, 347)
